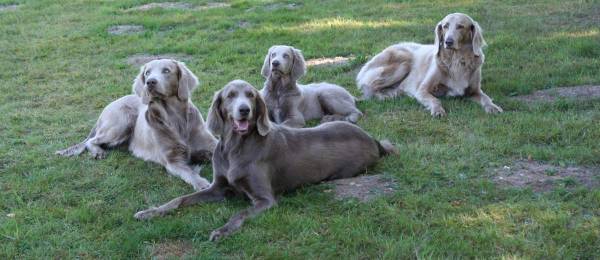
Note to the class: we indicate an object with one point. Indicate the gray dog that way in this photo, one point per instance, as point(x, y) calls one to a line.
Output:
point(257, 159)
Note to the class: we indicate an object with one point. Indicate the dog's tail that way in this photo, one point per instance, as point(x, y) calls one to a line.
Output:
point(78, 148)
point(386, 148)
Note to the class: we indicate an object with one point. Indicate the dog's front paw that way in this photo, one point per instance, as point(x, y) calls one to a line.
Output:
point(219, 234)
point(201, 184)
point(147, 214)
point(493, 109)
point(99, 155)
point(438, 111)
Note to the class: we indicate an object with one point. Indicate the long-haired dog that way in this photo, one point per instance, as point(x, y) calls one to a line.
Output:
point(258, 159)
point(291, 103)
point(449, 67)
point(159, 123)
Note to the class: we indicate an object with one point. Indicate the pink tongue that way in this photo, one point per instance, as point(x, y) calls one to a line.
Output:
point(241, 125)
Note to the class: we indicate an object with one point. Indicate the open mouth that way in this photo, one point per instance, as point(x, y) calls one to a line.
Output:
point(240, 126)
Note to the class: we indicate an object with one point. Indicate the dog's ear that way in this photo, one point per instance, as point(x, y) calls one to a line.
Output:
point(187, 81)
point(215, 120)
point(439, 38)
point(263, 124)
point(266, 68)
point(298, 65)
point(138, 86)
point(478, 41)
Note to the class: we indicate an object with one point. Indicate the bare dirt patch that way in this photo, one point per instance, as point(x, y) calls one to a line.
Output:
point(364, 187)
point(141, 59)
point(541, 177)
point(171, 249)
point(553, 94)
point(8, 7)
point(165, 5)
point(212, 5)
point(277, 6)
point(125, 29)
point(334, 61)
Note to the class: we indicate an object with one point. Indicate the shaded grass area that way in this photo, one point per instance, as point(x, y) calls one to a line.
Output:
point(59, 67)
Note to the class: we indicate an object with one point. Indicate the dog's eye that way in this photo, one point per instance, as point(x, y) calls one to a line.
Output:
point(446, 26)
point(273, 54)
point(286, 56)
point(249, 94)
point(165, 71)
point(231, 95)
point(460, 26)
point(147, 73)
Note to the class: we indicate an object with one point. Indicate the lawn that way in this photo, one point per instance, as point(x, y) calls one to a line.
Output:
point(59, 67)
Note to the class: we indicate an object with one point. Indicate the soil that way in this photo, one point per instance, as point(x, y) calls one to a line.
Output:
point(364, 187)
point(542, 177)
point(553, 94)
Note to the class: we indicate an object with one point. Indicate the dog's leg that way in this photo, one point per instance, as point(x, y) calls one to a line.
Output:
point(424, 96)
point(258, 189)
point(186, 173)
point(215, 193)
point(481, 98)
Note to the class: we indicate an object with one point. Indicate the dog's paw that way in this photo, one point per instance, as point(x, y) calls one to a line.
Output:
point(201, 184)
point(493, 109)
point(99, 155)
point(219, 234)
point(438, 111)
point(147, 214)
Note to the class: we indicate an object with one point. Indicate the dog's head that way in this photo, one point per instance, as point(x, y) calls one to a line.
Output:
point(284, 61)
point(458, 30)
point(238, 108)
point(164, 78)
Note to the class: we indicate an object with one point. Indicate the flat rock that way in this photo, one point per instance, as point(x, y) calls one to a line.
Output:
point(141, 59)
point(125, 29)
point(553, 94)
point(332, 61)
point(364, 187)
point(542, 177)
point(164, 5)
point(8, 7)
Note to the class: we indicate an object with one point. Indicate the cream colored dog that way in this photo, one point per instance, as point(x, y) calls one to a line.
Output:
point(450, 67)
point(158, 122)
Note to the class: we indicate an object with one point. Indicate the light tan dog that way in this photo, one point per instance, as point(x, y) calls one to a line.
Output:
point(158, 122)
point(258, 160)
point(293, 104)
point(450, 67)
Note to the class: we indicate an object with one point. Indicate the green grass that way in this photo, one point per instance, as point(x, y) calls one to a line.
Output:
point(59, 67)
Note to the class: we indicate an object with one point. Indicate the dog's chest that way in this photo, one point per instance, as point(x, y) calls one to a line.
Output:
point(279, 105)
point(460, 71)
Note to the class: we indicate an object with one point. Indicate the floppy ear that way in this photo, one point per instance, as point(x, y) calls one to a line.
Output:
point(262, 116)
point(439, 38)
point(138, 86)
point(298, 65)
point(187, 81)
point(266, 68)
point(478, 41)
point(215, 121)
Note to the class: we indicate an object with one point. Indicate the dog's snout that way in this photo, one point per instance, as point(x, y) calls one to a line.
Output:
point(152, 82)
point(275, 63)
point(244, 110)
point(449, 42)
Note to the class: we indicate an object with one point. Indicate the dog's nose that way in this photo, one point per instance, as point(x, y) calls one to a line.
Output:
point(449, 42)
point(151, 82)
point(275, 63)
point(244, 110)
